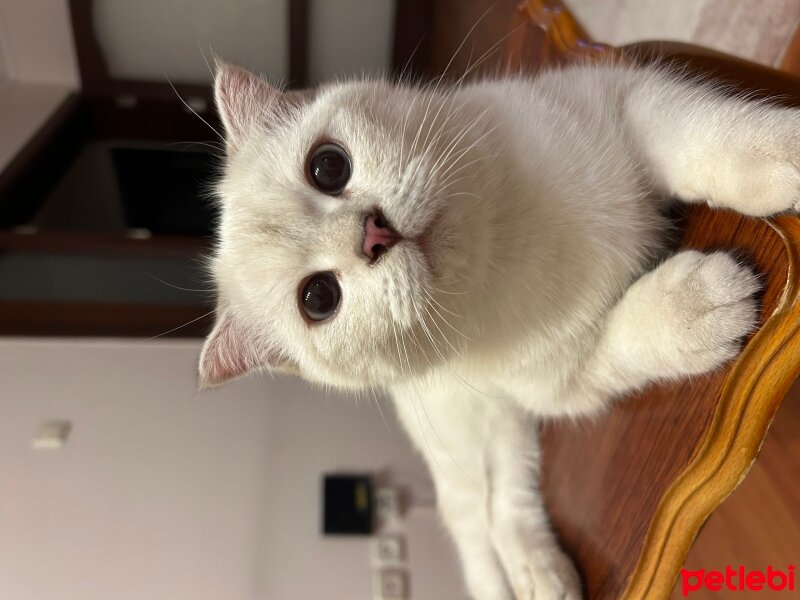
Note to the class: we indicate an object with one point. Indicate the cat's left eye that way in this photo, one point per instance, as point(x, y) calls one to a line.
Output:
point(320, 296)
point(329, 168)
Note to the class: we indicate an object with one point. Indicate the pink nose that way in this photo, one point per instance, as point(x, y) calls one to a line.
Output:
point(378, 236)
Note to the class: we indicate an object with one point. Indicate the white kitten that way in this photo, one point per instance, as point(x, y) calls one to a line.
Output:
point(479, 252)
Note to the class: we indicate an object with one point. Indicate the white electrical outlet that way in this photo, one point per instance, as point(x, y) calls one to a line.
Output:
point(388, 550)
point(390, 584)
point(387, 504)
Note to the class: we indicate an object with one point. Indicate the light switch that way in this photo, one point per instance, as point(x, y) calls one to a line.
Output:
point(390, 584)
point(388, 550)
point(51, 434)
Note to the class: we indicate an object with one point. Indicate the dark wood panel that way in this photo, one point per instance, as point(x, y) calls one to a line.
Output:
point(463, 33)
point(756, 80)
point(154, 120)
point(411, 46)
point(91, 64)
point(106, 320)
point(101, 244)
point(298, 43)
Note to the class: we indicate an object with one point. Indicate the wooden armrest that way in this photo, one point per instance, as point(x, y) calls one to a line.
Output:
point(629, 492)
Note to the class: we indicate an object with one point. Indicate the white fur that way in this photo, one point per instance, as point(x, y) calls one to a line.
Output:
point(538, 203)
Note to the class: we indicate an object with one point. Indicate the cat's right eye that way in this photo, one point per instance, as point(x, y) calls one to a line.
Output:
point(329, 168)
point(320, 296)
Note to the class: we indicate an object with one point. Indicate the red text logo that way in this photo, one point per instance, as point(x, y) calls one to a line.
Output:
point(736, 580)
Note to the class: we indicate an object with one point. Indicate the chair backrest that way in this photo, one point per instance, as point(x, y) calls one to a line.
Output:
point(629, 492)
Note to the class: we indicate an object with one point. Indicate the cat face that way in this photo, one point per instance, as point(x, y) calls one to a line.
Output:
point(347, 242)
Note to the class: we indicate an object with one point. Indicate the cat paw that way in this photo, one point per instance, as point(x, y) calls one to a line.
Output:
point(690, 315)
point(763, 178)
point(545, 576)
point(764, 187)
point(782, 191)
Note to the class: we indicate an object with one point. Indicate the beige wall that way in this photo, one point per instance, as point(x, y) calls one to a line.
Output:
point(154, 39)
point(758, 30)
point(36, 40)
point(37, 68)
point(345, 37)
point(349, 37)
point(164, 494)
point(3, 65)
point(24, 107)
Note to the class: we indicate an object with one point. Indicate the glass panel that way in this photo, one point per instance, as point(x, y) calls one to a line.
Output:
point(127, 280)
point(113, 188)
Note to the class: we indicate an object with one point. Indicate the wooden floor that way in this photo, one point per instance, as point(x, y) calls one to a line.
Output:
point(759, 525)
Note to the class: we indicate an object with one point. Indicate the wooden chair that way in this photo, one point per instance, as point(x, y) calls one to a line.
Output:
point(629, 492)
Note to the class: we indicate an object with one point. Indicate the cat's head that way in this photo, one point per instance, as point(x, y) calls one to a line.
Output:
point(348, 246)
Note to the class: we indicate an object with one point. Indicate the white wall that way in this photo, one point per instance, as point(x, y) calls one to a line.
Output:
point(3, 60)
point(37, 68)
point(24, 108)
point(349, 37)
point(758, 30)
point(151, 39)
point(315, 435)
point(164, 494)
point(36, 40)
point(345, 37)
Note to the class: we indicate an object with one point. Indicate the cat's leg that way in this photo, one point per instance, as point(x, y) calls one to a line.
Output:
point(463, 512)
point(701, 145)
point(535, 564)
point(686, 317)
point(484, 461)
point(444, 431)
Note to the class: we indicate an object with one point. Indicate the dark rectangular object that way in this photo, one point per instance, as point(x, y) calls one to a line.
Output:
point(347, 505)
point(166, 191)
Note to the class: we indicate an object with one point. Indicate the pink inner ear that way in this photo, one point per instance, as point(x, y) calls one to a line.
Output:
point(243, 99)
point(227, 353)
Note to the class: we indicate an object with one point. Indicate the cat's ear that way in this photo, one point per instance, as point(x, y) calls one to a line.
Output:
point(244, 100)
point(230, 351)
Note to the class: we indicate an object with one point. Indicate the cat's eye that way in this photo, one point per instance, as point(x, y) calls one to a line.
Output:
point(320, 296)
point(329, 168)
